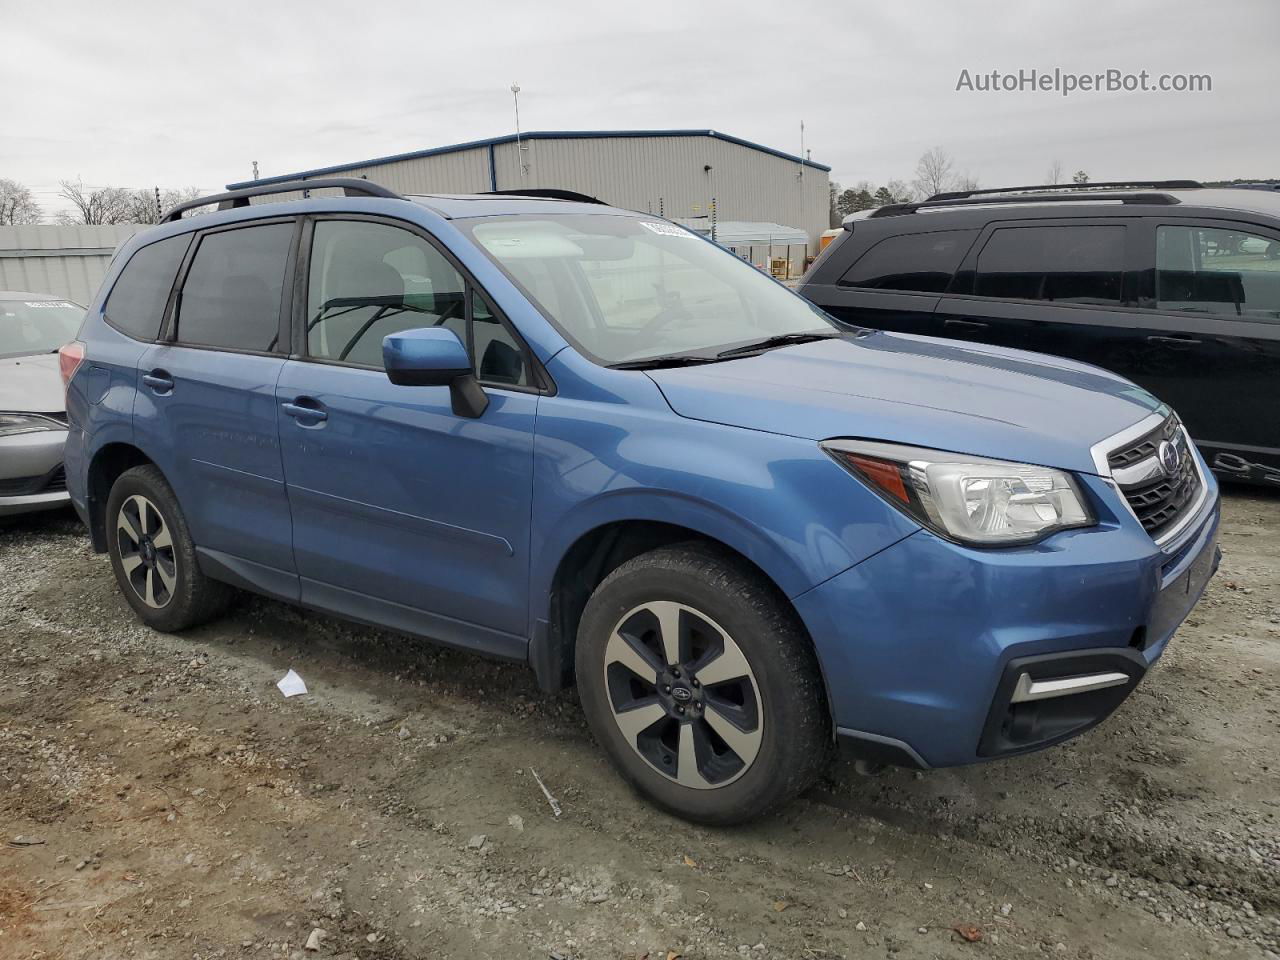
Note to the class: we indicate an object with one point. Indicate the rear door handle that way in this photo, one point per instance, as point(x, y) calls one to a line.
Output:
point(1174, 341)
point(302, 409)
point(159, 381)
point(966, 324)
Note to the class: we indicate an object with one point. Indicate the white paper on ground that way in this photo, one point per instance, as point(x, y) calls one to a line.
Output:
point(291, 685)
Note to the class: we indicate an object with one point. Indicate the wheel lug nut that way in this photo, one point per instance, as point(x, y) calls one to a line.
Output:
point(675, 672)
point(666, 689)
point(680, 709)
point(696, 684)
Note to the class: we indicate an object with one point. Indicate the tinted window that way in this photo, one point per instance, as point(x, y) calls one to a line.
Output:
point(501, 359)
point(137, 301)
point(921, 261)
point(369, 280)
point(1064, 264)
point(1210, 270)
point(231, 297)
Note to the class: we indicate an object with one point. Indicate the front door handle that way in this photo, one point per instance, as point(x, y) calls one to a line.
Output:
point(1175, 342)
point(966, 324)
point(159, 381)
point(302, 410)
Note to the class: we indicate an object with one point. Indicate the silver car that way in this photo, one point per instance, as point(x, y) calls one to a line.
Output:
point(33, 419)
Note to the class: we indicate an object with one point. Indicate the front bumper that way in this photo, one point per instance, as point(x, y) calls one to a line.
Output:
point(31, 473)
point(924, 645)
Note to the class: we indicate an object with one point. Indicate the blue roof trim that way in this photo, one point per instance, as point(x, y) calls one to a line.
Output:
point(536, 135)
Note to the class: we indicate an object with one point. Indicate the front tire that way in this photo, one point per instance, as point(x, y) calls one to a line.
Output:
point(699, 682)
point(153, 556)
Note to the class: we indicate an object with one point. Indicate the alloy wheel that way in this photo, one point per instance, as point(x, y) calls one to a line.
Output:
point(683, 695)
point(146, 551)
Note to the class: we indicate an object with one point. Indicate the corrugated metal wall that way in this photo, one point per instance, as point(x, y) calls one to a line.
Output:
point(638, 173)
point(66, 261)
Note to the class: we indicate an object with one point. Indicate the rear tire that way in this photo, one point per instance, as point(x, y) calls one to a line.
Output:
point(153, 556)
point(698, 680)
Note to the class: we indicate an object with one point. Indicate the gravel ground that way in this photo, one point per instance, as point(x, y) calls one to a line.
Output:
point(159, 798)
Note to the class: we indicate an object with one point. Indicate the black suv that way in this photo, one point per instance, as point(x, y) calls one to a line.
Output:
point(1170, 284)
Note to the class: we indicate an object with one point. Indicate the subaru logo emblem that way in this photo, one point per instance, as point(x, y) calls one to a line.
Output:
point(1169, 457)
point(682, 694)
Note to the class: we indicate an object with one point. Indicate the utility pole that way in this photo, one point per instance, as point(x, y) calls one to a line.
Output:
point(159, 212)
point(255, 169)
point(515, 97)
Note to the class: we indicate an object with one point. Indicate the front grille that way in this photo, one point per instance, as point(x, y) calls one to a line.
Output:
point(1159, 503)
point(57, 480)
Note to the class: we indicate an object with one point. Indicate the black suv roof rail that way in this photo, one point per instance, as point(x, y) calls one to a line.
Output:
point(546, 193)
point(944, 201)
point(351, 186)
point(1053, 187)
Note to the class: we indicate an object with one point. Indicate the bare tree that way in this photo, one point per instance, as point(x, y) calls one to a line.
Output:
point(144, 207)
point(934, 171)
point(966, 181)
point(1055, 172)
point(17, 205)
point(899, 191)
point(108, 205)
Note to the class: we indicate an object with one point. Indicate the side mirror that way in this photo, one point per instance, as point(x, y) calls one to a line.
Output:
point(434, 357)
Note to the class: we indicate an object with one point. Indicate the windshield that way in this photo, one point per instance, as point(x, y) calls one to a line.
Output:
point(626, 289)
point(37, 326)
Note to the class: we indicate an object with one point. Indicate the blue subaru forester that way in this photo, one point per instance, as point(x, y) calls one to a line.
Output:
point(586, 439)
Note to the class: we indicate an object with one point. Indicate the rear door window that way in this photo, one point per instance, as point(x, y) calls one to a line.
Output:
point(231, 297)
point(137, 301)
point(920, 262)
point(1065, 264)
point(1215, 270)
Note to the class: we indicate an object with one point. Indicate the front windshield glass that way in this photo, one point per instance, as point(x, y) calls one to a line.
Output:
point(627, 289)
point(37, 326)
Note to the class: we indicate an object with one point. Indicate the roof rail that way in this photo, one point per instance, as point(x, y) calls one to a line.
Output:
point(1051, 187)
point(1139, 199)
point(351, 186)
point(545, 193)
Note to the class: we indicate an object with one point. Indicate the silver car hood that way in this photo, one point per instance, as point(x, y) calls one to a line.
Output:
point(31, 385)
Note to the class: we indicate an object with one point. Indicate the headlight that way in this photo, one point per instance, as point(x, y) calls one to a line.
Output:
point(968, 499)
point(12, 424)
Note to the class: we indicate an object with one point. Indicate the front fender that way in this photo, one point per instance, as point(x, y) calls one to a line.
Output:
point(779, 501)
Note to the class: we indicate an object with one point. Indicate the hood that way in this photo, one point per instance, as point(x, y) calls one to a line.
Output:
point(31, 384)
point(943, 394)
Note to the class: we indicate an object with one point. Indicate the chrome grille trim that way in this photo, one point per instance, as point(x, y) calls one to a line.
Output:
point(1121, 461)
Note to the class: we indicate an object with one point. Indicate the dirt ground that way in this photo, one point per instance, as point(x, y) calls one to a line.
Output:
point(159, 798)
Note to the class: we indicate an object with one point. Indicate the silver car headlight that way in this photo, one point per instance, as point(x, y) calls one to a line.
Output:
point(971, 500)
point(12, 424)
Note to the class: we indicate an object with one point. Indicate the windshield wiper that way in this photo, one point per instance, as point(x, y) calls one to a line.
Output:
point(769, 343)
point(669, 360)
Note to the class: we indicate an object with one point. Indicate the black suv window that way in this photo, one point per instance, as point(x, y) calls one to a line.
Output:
point(923, 262)
point(1212, 270)
point(231, 296)
point(369, 280)
point(136, 303)
point(1069, 264)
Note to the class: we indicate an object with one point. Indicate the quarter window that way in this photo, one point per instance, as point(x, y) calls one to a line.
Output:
point(137, 301)
point(231, 296)
point(1065, 264)
point(369, 280)
point(1212, 270)
point(923, 262)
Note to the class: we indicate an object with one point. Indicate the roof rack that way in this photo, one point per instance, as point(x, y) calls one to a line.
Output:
point(545, 193)
point(1052, 187)
point(351, 186)
point(960, 202)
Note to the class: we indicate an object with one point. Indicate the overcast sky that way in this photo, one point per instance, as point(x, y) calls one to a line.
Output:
point(188, 94)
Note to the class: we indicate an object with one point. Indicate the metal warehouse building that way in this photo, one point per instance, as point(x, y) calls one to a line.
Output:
point(675, 173)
